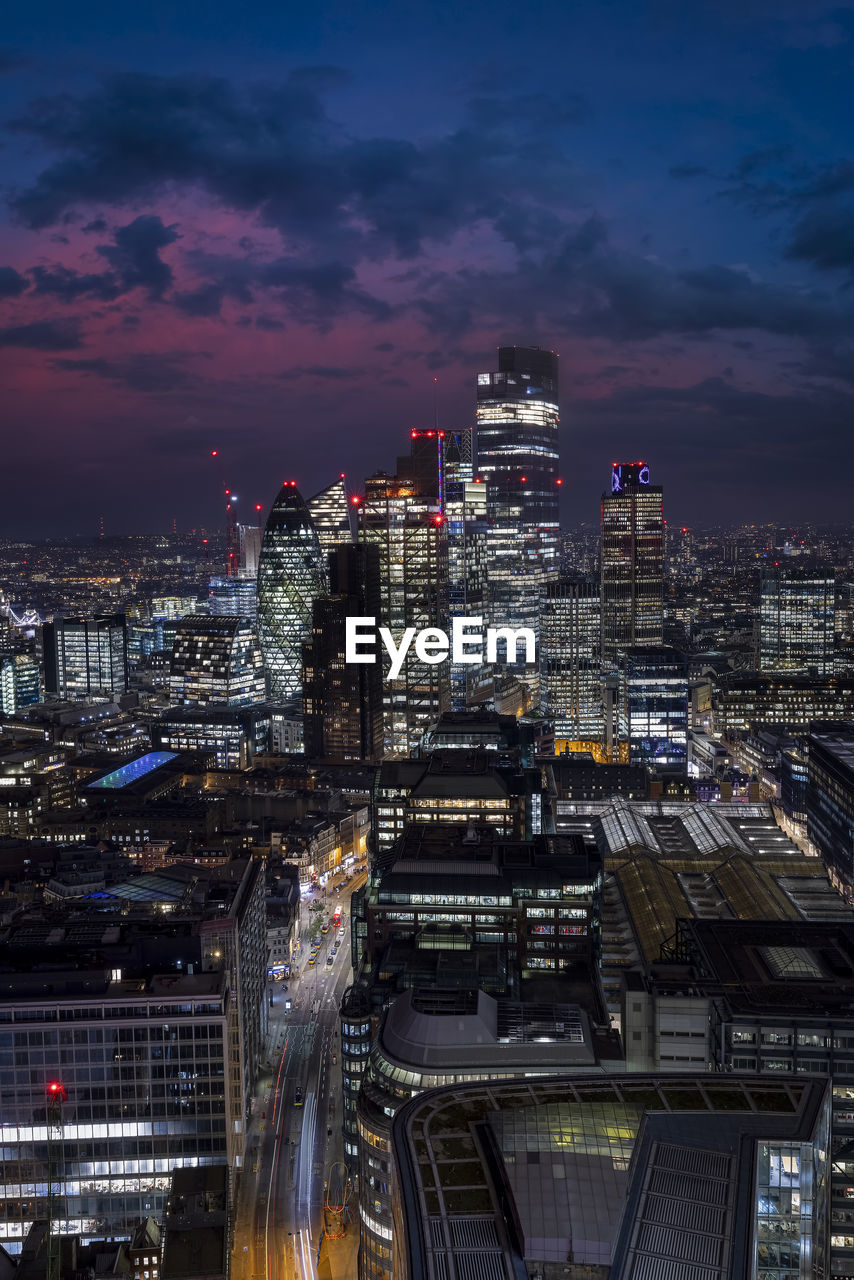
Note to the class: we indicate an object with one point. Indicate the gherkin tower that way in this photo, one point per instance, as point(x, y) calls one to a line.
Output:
point(291, 572)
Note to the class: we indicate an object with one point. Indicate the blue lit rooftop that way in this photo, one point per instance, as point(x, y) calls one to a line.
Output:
point(132, 771)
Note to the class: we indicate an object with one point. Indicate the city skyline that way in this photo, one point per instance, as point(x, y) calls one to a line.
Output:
point(270, 236)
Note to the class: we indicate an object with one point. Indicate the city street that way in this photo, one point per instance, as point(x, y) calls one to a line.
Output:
point(290, 1150)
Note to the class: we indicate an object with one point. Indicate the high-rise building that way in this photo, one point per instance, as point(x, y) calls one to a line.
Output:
point(248, 549)
point(233, 597)
point(291, 573)
point(342, 702)
point(216, 661)
point(332, 515)
point(632, 561)
point(570, 691)
point(517, 457)
point(796, 619)
point(465, 510)
point(19, 681)
point(410, 533)
point(86, 657)
point(654, 696)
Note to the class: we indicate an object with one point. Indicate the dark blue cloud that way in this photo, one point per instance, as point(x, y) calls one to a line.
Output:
point(43, 335)
point(12, 283)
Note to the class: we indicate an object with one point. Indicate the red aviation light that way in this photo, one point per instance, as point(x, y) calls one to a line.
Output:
point(558, 481)
point(258, 506)
point(214, 453)
point(438, 519)
point(413, 433)
point(523, 479)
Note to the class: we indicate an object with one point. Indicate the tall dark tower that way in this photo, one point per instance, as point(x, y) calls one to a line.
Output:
point(517, 457)
point(343, 703)
point(632, 561)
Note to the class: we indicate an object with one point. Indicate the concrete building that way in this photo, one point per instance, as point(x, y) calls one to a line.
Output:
point(429, 1040)
point(613, 1178)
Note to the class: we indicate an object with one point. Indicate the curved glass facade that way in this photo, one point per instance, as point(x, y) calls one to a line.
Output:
point(291, 572)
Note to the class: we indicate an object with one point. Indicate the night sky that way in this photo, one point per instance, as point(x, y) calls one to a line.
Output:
point(267, 228)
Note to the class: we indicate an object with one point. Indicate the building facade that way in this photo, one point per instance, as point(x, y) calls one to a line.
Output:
point(216, 662)
point(570, 691)
point(331, 514)
point(654, 698)
point(342, 702)
point(796, 619)
point(409, 532)
point(632, 561)
point(518, 459)
point(291, 573)
point(86, 657)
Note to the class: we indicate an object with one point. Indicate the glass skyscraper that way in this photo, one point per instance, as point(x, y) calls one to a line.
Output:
point(517, 457)
point(465, 509)
point(796, 619)
point(331, 515)
point(86, 657)
point(632, 561)
point(570, 690)
point(291, 573)
point(233, 596)
point(410, 533)
point(654, 688)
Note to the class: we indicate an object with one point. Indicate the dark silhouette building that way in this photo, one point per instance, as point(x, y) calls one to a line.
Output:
point(342, 702)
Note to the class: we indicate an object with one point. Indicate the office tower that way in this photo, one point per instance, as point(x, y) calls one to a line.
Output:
point(332, 515)
point(86, 657)
point(20, 684)
point(410, 534)
point(796, 619)
point(216, 661)
point(465, 510)
point(248, 549)
point(422, 466)
point(830, 799)
point(342, 702)
point(632, 561)
point(570, 691)
point(291, 572)
point(654, 695)
point(236, 597)
point(517, 457)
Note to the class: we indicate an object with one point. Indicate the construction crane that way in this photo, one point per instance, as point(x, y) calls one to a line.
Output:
point(230, 522)
point(55, 1098)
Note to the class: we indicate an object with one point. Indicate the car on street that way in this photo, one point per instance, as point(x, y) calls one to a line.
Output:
point(298, 1096)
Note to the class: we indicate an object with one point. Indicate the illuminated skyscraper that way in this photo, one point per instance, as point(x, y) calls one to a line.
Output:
point(331, 515)
point(632, 561)
point(236, 597)
point(796, 619)
point(216, 661)
point(410, 533)
point(465, 510)
point(291, 573)
point(342, 702)
point(570, 691)
point(517, 457)
point(86, 657)
point(654, 696)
